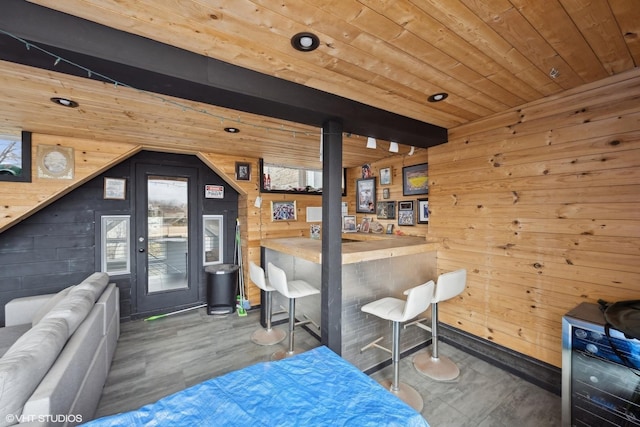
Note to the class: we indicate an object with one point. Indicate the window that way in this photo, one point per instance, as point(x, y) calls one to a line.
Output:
point(15, 157)
point(115, 244)
point(287, 179)
point(212, 239)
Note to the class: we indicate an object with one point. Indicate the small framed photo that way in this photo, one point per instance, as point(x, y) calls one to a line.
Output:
point(389, 228)
point(406, 213)
point(243, 171)
point(415, 179)
point(115, 188)
point(284, 211)
point(366, 195)
point(385, 176)
point(386, 193)
point(386, 210)
point(365, 225)
point(349, 224)
point(423, 211)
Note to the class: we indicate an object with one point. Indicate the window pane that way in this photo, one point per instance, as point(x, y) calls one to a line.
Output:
point(115, 244)
point(212, 239)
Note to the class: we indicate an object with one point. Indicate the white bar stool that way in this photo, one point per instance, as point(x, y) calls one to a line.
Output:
point(268, 335)
point(398, 311)
point(431, 364)
point(291, 289)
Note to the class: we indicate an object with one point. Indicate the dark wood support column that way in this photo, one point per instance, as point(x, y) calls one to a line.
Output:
point(331, 312)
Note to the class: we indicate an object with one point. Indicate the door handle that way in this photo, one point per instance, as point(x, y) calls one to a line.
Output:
point(141, 250)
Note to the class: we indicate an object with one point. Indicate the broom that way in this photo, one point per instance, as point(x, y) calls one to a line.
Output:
point(159, 316)
point(240, 306)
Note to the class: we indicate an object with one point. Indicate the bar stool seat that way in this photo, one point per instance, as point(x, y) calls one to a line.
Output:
point(431, 364)
point(398, 311)
point(291, 289)
point(268, 335)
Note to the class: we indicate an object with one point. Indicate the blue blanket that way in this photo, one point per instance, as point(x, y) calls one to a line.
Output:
point(315, 388)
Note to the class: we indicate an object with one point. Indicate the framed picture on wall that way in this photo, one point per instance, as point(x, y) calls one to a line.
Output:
point(243, 171)
point(423, 211)
point(115, 188)
point(385, 176)
point(366, 195)
point(406, 213)
point(283, 211)
point(415, 179)
point(386, 210)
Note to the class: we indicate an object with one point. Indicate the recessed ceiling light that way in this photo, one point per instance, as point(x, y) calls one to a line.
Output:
point(437, 97)
point(65, 102)
point(305, 42)
point(231, 130)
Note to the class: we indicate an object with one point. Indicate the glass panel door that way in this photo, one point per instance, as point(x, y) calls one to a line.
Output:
point(167, 233)
point(167, 261)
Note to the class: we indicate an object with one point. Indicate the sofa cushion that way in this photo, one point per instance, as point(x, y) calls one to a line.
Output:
point(75, 306)
point(47, 306)
point(10, 334)
point(27, 361)
point(95, 284)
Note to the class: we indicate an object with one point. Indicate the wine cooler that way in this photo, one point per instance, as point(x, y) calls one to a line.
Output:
point(598, 388)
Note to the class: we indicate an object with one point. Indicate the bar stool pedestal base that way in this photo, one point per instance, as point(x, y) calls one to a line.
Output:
point(440, 369)
point(283, 354)
point(268, 336)
point(406, 393)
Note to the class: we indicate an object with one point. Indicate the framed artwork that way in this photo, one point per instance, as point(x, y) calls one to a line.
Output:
point(423, 211)
point(55, 161)
point(243, 171)
point(349, 224)
point(415, 179)
point(385, 176)
point(386, 193)
point(366, 195)
point(386, 210)
point(406, 213)
point(365, 225)
point(284, 211)
point(15, 157)
point(366, 171)
point(115, 188)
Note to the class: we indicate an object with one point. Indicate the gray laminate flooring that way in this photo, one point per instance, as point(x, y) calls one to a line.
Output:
point(157, 358)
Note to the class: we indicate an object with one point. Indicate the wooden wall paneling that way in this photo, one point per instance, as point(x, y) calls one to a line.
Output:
point(542, 213)
point(21, 199)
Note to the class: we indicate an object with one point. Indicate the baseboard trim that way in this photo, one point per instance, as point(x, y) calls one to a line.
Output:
point(542, 374)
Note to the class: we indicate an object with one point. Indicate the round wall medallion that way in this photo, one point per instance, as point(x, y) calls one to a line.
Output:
point(55, 162)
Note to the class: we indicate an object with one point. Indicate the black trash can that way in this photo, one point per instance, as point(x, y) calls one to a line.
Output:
point(222, 288)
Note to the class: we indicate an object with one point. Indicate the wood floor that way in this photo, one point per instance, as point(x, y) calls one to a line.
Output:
point(157, 358)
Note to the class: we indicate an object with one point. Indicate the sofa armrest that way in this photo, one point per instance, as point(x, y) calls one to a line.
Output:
point(21, 310)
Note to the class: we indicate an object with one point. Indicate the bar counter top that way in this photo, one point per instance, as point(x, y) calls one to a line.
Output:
point(356, 247)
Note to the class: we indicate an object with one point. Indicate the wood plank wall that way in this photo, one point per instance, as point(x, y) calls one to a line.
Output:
point(541, 205)
point(19, 199)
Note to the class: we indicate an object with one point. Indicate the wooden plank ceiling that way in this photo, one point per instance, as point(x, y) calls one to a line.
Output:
point(488, 56)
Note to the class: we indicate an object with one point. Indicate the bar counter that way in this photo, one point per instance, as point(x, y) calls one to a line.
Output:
point(373, 266)
point(356, 247)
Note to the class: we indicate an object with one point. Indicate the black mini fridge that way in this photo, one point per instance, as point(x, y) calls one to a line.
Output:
point(598, 388)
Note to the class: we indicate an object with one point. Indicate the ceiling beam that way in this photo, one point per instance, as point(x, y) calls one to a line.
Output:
point(151, 66)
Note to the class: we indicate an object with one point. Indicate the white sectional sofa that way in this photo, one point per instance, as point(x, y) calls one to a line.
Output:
point(56, 352)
